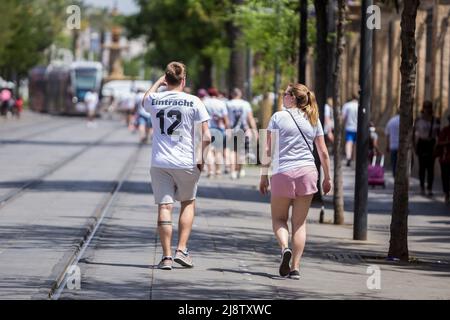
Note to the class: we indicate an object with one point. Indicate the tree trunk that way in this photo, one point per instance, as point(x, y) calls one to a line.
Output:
point(321, 64)
point(398, 247)
point(338, 194)
point(303, 51)
point(237, 56)
point(205, 79)
point(321, 54)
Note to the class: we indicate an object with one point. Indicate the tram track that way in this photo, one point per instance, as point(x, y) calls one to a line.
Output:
point(16, 193)
point(94, 222)
point(40, 132)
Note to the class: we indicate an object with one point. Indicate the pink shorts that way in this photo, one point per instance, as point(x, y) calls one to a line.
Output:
point(295, 183)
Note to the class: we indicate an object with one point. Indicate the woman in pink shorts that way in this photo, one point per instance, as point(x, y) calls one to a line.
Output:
point(292, 135)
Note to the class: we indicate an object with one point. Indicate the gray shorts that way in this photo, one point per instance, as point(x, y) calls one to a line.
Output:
point(174, 184)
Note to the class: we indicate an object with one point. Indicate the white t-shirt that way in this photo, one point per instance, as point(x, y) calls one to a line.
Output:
point(392, 130)
point(138, 102)
point(238, 111)
point(91, 100)
point(174, 115)
point(328, 113)
point(350, 113)
point(291, 151)
point(217, 110)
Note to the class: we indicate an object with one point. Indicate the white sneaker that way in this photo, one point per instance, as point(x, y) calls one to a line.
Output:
point(233, 175)
point(242, 173)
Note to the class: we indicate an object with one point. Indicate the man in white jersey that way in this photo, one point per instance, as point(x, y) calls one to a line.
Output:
point(241, 120)
point(350, 116)
point(218, 112)
point(175, 171)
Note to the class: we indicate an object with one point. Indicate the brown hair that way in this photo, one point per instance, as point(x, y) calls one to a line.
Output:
point(306, 101)
point(175, 73)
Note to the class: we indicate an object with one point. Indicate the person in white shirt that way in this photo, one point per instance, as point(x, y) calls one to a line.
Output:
point(350, 116)
point(241, 119)
point(144, 121)
point(328, 126)
point(392, 132)
point(175, 169)
point(91, 101)
point(295, 131)
point(218, 123)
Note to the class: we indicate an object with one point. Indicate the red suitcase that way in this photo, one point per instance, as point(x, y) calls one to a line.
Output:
point(376, 172)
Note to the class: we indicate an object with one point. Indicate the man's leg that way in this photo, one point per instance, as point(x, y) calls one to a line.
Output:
point(394, 161)
point(348, 151)
point(185, 223)
point(430, 174)
point(165, 227)
point(182, 255)
point(422, 173)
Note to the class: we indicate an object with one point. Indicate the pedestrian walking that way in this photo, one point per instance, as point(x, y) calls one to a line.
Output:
point(374, 150)
point(443, 154)
point(328, 127)
point(218, 123)
point(295, 131)
point(242, 122)
point(91, 101)
point(5, 101)
point(392, 132)
point(143, 118)
point(18, 107)
point(175, 169)
point(426, 130)
point(350, 116)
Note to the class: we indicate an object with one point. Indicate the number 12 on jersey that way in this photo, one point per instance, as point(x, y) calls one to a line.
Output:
point(172, 114)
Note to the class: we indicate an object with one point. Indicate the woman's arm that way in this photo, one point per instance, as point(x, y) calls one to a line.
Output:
point(266, 161)
point(325, 161)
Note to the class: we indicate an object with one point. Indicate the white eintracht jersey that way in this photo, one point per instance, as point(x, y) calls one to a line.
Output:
point(217, 110)
point(238, 111)
point(174, 115)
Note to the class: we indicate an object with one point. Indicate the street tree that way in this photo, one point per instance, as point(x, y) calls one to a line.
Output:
point(398, 245)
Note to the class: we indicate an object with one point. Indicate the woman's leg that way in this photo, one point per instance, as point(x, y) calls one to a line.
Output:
point(280, 215)
point(299, 213)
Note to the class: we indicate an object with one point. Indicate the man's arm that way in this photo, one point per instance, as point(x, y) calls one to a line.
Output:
point(154, 88)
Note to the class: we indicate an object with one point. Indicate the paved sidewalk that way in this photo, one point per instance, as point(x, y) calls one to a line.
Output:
point(236, 255)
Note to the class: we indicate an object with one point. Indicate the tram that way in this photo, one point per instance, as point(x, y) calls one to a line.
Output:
point(60, 88)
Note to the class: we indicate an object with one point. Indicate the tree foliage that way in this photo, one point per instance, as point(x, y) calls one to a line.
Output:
point(271, 29)
point(27, 28)
point(184, 30)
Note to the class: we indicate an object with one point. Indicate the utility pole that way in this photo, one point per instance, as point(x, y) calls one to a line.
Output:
point(362, 140)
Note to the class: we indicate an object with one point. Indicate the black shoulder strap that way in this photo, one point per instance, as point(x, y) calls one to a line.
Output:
point(300, 132)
